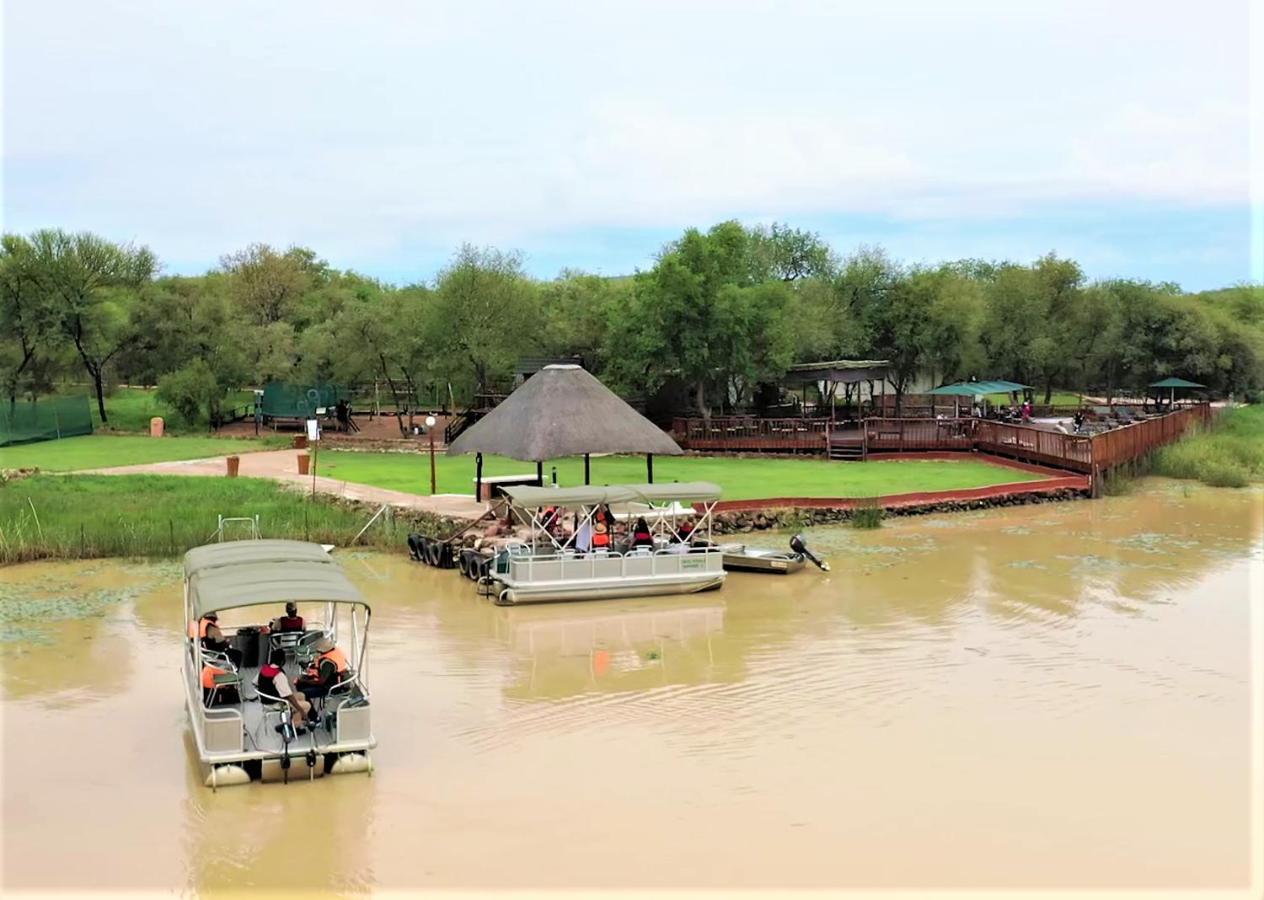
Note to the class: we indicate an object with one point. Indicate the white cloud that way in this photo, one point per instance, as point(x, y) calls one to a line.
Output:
point(366, 129)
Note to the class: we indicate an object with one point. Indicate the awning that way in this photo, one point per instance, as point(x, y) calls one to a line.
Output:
point(1176, 383)
point(594, 495)
point(978, 388)
point(254, 573)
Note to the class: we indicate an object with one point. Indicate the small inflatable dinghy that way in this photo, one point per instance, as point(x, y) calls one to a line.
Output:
point(740, 558)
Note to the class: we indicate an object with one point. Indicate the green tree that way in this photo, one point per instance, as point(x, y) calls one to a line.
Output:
point(483, 314)
point(28, 318)
point(269, 286)
point(94, 284)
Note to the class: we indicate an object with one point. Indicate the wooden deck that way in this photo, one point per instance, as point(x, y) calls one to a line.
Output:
point(1076, 453)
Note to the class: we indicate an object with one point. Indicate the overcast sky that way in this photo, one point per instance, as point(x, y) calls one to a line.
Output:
point(586, 134)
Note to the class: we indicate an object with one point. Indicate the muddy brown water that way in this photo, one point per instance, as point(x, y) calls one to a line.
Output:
point(1053, 696)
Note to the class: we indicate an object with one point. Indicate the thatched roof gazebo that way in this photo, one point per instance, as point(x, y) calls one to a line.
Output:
point(562, 410)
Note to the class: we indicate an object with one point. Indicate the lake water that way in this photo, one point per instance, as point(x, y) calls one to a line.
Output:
point(1052, 696)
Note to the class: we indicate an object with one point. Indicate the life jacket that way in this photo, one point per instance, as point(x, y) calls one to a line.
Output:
point(266, 682)
point(600, 538)
point(208, 676)
point(198, 629)
point(335, 655)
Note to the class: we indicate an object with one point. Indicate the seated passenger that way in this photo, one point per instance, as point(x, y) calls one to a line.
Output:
point(600, 537)
point(641, 534)
point(273, 682)
point(326, 670)
point(291, 621)
point(213, 639)
point(227, 693)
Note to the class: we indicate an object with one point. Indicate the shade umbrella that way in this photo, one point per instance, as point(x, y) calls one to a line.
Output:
point(563, 410)
point(1172, 384)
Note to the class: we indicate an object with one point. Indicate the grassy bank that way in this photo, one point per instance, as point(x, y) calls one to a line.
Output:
point(1230, 454)
point(740, 477)
point(89, 516)
point(96, 451)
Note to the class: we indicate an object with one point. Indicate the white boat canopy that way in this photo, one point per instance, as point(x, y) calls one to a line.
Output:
point(595, 495)
point(253, 573)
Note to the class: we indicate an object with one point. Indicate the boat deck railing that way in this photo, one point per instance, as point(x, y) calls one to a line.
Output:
point(528, 568)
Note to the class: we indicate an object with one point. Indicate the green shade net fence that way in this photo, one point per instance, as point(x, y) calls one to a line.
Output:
point(44, 420)
point(297, 401)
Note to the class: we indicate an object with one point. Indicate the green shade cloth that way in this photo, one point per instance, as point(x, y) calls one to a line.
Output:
point(689, 492)
point(253, 573)
point(298, 401)
point(977, 388)
point(44, 420)
point(1176, 383)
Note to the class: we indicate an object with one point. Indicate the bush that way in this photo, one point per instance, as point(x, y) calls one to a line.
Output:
point(1218, 473)
point(867, 516)
point(1231, 454)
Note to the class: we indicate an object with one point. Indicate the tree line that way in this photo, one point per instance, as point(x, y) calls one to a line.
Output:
point(718, 317)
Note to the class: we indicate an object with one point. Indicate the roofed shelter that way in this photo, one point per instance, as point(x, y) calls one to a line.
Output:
point(560, 411)
point(850, 373)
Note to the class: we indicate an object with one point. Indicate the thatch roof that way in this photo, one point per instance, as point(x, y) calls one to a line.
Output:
point(563, 411)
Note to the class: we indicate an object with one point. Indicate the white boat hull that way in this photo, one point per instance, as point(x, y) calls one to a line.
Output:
point(606, 589)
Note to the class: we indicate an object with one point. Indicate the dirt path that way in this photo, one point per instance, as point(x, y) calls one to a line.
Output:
point(282, 465)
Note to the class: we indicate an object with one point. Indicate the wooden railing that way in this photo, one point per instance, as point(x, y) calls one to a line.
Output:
point(1122, 445)
point(1034, 445)
point(895, 435)
point(743, 433)
point(1079, 453)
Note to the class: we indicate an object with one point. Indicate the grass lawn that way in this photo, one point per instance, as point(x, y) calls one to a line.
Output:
point(740, 477)
point(131, 408)
point(92, 451)
point(1230, 454)
point(89, 516)
point(1060, 398)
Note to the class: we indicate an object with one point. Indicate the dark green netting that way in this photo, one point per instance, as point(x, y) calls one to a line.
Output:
point(297, 401)
point(44, 420)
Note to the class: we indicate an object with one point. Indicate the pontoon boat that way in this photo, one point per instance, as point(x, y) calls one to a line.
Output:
point(551, 567)
point(240, 734)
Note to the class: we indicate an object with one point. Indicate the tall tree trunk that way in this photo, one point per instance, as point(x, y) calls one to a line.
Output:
point(98, 382)
point(700, 398)
point(390, 382)
point(1049, 391)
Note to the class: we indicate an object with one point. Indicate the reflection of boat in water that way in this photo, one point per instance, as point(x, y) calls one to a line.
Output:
point(240, 733)
point(549, 569)
point(618, 646)
point(739, 557)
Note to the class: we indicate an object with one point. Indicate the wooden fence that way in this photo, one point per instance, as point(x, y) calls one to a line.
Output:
point(1078, 453)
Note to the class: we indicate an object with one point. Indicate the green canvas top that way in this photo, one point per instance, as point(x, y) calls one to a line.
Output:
point(252, 573)
point(593, 495)
point(978, 388)
point(1176, 383)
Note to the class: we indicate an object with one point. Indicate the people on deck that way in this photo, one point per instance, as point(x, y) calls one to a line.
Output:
point(326, 671)
point(1078, 420)
point(1026, 412)
point(273, 682)
point(291, 621)
point(641, 534)
point(226, 693)
point(213, 639)
point(600, 536)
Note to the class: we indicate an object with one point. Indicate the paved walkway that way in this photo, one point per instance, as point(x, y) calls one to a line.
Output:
point(282, 465)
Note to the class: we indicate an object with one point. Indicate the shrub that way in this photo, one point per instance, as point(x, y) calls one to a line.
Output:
point(867, 516)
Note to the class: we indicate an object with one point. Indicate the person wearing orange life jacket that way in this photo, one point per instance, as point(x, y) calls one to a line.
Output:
point(274, 683)
point(600, 536)
point(227, 693)
point(212, 638)
point(327, 669)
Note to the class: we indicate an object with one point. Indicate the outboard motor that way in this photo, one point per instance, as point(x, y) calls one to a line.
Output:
point(800, 546)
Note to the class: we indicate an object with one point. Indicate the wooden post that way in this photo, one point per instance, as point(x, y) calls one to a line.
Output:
point(478, 476)
point(587, 469)
point(649, 467)
point(539, 471)
point(430, 431)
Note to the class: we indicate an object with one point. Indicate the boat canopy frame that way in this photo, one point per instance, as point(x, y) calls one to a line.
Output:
point(529, 505)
